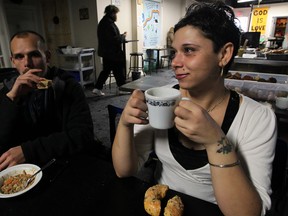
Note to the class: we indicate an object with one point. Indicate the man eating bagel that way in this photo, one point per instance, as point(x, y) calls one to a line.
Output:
point(44, 113)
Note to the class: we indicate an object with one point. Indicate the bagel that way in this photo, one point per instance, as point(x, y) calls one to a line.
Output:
point(152, 199)
point(44, 84)
point(174, 207)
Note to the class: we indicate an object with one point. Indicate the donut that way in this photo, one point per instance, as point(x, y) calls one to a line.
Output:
point(247, 77)
point(152, 199)
point(272, 80)
point(174, 207)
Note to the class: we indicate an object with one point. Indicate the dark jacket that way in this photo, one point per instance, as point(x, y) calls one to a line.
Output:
point(50, 123)
point(110, 40)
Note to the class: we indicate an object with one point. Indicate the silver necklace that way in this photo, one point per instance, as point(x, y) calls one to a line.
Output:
point(218, 103)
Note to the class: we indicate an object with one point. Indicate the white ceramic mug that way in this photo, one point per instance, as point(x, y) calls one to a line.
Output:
point(161, 102)
point(282, 102)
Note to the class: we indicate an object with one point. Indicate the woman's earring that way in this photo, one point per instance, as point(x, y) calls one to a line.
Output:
point(222, 71)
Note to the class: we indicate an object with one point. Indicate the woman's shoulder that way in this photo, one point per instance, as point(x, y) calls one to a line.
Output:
point(254, 109)
point(253, 104)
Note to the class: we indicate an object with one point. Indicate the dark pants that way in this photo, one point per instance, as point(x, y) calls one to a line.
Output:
point(117, 67)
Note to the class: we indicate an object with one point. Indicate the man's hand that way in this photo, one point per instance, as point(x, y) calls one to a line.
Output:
point(12, 157)
point(25, 83)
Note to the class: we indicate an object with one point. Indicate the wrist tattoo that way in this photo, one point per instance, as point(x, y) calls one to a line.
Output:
point(225, 146)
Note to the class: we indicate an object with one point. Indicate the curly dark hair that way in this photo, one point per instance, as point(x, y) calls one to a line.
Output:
point(111, 9)
point(216, 20)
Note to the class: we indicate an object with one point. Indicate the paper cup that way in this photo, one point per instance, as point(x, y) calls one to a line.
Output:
point(161, 102)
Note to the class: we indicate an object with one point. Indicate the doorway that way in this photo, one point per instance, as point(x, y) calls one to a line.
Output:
point(278, 32)
point(280, 26)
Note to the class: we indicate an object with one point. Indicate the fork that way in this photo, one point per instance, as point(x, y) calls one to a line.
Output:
point(31, 178)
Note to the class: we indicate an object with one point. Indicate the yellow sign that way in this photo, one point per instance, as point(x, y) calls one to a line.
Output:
point(259, 17)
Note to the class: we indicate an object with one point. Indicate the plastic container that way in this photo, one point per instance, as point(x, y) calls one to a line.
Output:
point(265, 91)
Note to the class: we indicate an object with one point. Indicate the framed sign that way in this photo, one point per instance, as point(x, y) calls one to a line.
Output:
point(83, 13)
point(259, 20)
point(151, 22)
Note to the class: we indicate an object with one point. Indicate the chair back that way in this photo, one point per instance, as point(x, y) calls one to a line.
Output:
point(150, 53)
point(279, 178)
point(113, 111)
point(279, 166)
point(7, 73)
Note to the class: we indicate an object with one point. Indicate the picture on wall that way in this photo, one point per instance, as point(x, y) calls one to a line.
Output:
point(83, 13)
point(151, 20)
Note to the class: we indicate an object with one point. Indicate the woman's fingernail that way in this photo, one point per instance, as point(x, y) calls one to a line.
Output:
point(185, 99)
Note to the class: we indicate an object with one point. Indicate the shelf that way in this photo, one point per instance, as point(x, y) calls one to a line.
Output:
point(77, 69)
point(259, 64)
point(79, 64)
point(77, 55)
point(261, 61)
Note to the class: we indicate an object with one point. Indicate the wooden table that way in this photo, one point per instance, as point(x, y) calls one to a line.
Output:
point(69, 187)
point(126, 197)
point(87, 185)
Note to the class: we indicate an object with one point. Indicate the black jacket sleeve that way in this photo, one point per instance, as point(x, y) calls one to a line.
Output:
point(9, 113)
point(110, 40)
point(77, 129)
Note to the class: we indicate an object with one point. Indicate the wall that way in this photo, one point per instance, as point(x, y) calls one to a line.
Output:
point(171, 12)
point(57, 34)
point(23, 16)
point(84, 32)
point(4, 38)
point(16, 17)
point(124, 20)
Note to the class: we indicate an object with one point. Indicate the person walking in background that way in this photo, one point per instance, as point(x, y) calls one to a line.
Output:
point(222, 146)
point(37, 125)
point(170, 37)
point(110, 49)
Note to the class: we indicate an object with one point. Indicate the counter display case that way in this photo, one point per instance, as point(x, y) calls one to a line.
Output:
point(80, 64)
point(259, 86)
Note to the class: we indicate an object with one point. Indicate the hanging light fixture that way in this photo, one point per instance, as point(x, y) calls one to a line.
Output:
point(55, 18)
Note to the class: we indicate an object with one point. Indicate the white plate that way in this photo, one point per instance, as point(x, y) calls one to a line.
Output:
point(18, 169)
